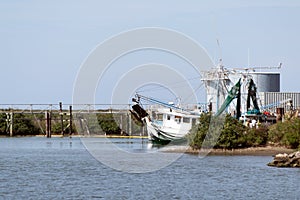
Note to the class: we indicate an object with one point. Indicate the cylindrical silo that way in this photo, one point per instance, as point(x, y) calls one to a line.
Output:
point(266, 81)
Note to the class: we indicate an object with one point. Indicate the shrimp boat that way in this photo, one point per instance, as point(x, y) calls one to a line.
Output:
point(172, 125)
point(175, 122)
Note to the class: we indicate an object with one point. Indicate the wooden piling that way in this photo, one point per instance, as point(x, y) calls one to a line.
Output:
point(61, 118)
point(48, 124)
point(71, 122)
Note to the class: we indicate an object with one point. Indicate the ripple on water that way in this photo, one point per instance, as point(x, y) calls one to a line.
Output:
point(41, 168)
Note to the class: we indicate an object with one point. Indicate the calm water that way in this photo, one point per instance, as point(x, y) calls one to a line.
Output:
point(56, 168)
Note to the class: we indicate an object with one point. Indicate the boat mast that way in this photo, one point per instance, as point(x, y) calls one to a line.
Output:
point(216, 82)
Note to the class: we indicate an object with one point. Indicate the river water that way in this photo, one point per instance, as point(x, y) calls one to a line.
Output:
point(62, 168)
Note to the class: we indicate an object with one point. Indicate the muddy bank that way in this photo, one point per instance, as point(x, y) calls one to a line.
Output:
point(252, 151)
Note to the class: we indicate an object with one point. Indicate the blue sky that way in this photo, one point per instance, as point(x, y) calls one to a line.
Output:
point(44, 43)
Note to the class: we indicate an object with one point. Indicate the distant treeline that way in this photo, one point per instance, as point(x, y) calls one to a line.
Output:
point(233, 134)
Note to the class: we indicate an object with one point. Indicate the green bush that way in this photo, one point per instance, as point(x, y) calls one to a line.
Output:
point(198, 132)
point(108, 124)
point(276, 132)
point(3, 124)
point(23, 125)
point(256, 137)
point(217, 133)
point(232, 134)
point(292, 135)
point(286, 133)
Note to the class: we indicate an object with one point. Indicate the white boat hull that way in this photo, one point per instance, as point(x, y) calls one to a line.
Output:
point(163, 135)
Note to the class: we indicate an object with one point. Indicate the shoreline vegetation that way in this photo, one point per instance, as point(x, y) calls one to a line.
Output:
point(232, 138)
point(229, 134)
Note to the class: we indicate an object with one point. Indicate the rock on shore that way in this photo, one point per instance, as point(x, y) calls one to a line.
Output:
point(286, 160)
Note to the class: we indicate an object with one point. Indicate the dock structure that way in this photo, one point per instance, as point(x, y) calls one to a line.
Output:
point(68, 119)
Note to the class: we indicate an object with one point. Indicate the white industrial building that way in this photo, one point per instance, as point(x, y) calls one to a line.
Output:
point(219, 81)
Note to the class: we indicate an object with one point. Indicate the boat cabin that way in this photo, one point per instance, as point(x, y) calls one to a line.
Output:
point(169, 118)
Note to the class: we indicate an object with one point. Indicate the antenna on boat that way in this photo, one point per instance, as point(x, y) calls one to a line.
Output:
point(215, 28)
point(220, 52)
